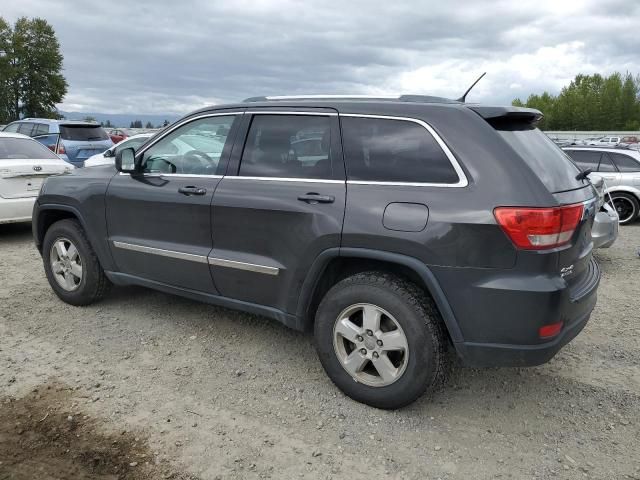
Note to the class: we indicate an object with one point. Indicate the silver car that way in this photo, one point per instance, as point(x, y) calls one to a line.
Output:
point(620, 169)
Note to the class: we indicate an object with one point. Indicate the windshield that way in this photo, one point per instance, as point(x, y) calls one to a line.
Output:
point(23, 148)
point(86, 133)
point(552, 166)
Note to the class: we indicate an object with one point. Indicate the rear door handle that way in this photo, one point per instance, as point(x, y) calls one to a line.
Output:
point(192, 190)
point(313, 197)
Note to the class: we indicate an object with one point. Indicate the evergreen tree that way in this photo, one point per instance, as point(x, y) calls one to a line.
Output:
point(148, 125)
point(591, 102)
point(30, 70)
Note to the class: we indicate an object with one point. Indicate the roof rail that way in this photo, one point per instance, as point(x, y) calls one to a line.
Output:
point(400, 98)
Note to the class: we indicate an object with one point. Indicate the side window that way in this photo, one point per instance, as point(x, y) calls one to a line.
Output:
point(606, 165)
point(13, 128)
point(132, 143)
point(625, 163)
point(585, 159)
point(288, 146)
point(194, 148)
point(393, 151)
point(40, 129)
point(26, 128)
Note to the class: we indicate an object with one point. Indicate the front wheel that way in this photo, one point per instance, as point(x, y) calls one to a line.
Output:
point(71, 265)
point(380, 339)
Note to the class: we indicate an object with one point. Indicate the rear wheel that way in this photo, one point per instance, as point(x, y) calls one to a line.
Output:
point(71, 265)
point(626, 205)
point(380, 339)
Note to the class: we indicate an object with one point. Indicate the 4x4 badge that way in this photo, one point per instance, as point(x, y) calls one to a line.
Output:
point(566, 271)
point(37, 168)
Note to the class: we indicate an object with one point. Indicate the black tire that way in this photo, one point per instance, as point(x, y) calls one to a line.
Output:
point(415, 313)
point(629, 205)
point(93, 284)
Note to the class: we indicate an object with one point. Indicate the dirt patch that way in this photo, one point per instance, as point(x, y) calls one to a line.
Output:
point(44, 435)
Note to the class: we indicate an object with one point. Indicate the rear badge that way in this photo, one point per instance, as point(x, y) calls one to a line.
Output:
point(37, 168)
point(566, 271)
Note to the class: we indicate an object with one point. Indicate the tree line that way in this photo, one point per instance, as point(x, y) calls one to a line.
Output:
point(590, 102)
point(31, 80)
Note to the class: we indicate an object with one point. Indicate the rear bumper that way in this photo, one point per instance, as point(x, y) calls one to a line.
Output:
point(500, 315)
point(605, 228)
point(500, 355)
point(13, 210)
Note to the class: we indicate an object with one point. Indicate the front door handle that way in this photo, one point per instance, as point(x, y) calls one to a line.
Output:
point(192, 190)
point(313, 197)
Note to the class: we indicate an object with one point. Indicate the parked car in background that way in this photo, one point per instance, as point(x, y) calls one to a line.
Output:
point(629, 139)
point(606, 222)
point(24, 164)
point(620, 169)
point(605, 142)
point(118, 134)
point(586, 141)
point(107, 157)
point(350, 218)
point(70, 140)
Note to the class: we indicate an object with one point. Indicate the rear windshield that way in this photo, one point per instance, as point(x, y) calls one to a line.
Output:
point(86, 133)
point(19, 148)
point(545, 158)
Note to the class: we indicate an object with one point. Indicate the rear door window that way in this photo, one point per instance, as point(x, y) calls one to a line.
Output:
point(625, 163)
point(83, 133)
point(41, 129)
point(585, 159)
point(288, 146)
point(552, 166)
point(606, 165)
point(388, 150)
point(26, 128)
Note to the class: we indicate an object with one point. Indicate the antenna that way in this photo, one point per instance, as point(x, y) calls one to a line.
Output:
point(463, 97)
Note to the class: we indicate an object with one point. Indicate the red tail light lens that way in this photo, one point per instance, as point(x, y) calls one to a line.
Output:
point(61, 150)
point(539, 228)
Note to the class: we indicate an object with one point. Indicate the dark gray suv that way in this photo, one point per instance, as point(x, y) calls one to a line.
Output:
point(393, 228)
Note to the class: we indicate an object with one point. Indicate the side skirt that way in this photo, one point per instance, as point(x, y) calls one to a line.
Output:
point(286, 319)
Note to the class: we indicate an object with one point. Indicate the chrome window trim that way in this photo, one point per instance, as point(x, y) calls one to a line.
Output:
point(286, 112)
point(283, 179)
point(250, 267)
point(161, 252)
point(462, 178)
point(175, 175)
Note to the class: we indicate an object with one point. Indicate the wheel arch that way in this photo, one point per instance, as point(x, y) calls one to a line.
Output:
point(335, 264)
point(50, 214)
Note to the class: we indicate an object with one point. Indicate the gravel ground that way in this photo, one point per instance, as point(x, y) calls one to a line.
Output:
point(147, 385)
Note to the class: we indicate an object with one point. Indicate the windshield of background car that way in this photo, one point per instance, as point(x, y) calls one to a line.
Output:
point(23, 148)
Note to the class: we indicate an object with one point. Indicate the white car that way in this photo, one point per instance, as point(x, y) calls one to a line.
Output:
point(108, 156)
point(605, 142)
point(24, 164)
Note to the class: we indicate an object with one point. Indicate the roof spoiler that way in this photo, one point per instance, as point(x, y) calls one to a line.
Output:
point(508, 114)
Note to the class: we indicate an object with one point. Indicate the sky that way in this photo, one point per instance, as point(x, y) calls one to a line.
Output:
point(173, 56)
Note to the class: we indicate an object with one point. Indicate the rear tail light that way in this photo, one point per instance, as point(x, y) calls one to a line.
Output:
point(549, 331)
point(60, 149)
point(539, 228)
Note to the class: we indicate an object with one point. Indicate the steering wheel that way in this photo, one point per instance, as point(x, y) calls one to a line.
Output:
point(195, 161)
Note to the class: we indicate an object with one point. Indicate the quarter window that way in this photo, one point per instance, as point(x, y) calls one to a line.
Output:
point(41, 129)
point(194, 148)
point(625, 163)
point(288, 146)
point(393, 151)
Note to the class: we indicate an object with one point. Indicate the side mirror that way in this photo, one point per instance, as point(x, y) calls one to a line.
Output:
point(126, 161)
point(108, 153)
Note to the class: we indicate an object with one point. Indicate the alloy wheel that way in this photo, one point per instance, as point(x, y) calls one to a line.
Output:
point(66, 264)
point(370, 345)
